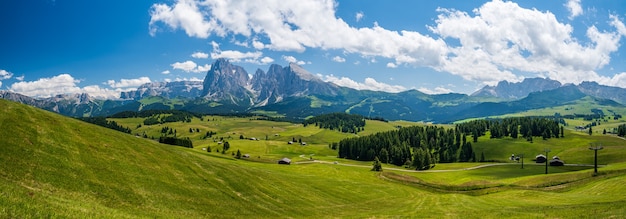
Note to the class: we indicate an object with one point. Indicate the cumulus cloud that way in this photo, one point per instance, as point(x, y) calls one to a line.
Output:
point(203, 68)
point(189, 66)
point(437, 90)
point(266, 60)
point(294, 26)
point(574, 8)
point(359, 15)
point(200, 55)
point(185, 79)
point(5, 74)
point(165, 72)
point(339, 59)
point(391, 65)
point(368, 84)
point(496, 41)
point(238, 56)
point(19, 78)
point(126, 83)
point(60, 84)
point(292, 59)
point(502, 37)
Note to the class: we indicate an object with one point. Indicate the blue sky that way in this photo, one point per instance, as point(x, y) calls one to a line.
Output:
point(104, 47)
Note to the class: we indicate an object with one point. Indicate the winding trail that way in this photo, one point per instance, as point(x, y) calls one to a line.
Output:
point(432, 171)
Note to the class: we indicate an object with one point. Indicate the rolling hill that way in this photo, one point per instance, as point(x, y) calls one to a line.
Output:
point(54, 166)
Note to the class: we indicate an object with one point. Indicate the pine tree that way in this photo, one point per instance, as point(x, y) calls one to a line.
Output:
point(238, 154)
point(590, 131)
point(376, 166)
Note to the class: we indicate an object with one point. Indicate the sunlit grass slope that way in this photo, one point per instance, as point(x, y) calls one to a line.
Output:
point(53, 166)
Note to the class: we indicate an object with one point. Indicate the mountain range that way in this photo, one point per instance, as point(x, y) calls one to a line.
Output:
point(293, 92)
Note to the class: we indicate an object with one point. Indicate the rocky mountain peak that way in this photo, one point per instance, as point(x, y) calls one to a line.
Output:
point(225, 81)
point(517, 90)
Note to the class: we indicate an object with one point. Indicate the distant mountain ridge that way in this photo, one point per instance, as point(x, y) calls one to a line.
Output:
point(515, 91)
point(184, 89)
point(293, 92)
point(518, 90)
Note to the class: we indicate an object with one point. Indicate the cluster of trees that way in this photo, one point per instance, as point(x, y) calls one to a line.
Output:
point(525, 127)
point(185, 142)
point(418, 147)
point(423, 147)
point(150, 113)
point(342, 122)
point(621, 130)
point(168, 131)
point(101, 121)
point(158, 119)
point(209, 134)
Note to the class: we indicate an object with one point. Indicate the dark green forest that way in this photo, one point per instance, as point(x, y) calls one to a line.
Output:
point(342, 122)
point(421, 147)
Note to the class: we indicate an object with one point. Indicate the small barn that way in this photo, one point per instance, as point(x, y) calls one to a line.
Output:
point(284, 161)
point(541, 158)
point(246, 156)
point(556, 161)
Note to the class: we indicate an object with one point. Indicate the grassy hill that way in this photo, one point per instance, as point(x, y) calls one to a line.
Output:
point(53, 166)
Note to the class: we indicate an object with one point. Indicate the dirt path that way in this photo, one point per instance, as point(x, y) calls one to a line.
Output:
point(432, 171)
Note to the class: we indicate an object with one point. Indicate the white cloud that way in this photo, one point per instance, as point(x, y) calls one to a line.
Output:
point(294, 26)
point(238, 56)
point(495, 42)
point(0, 83)
point(102, 93)
point(437, 90)
point(5, 75)
point(574, 8)
point(292, 59)
point(359, 15)
point(20, 78)
point(60, 84)
point(187, 66)
point(391, 65)
point(128, 83)
point(266, 60)
point(200, 55)
point(503, 37)
point(185, 79)
point(165, 72)
point(203, 68)
point(339, 59)
point(368, 84)
point(184, 14)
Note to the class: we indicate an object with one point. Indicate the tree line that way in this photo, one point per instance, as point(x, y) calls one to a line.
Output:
point(342, 122)
point(421, 147)
point(102, 121)
point(621, 130)
point(525, 127)
point(184, 142)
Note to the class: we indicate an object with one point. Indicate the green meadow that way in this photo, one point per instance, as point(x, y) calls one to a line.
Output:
point(59, 167)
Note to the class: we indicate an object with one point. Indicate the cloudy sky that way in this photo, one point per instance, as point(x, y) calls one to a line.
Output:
point(49, 47)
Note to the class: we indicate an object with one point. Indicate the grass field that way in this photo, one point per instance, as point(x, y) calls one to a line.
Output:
point(53, 166)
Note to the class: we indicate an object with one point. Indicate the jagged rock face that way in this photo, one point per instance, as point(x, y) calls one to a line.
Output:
point(518, 90)
point(293, 80)
point(612, 93)
point(184, 89)
point(227, 82)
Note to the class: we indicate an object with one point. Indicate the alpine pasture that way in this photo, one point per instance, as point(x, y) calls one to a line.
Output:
point(54, 166)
